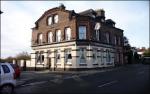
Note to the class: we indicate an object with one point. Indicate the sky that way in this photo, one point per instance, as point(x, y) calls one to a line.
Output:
point(20, 16)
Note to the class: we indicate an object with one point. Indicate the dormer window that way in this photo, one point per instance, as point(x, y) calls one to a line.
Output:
point(56, 19)
point(50, 20)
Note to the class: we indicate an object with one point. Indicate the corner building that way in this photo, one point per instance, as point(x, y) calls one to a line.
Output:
point(65, 40)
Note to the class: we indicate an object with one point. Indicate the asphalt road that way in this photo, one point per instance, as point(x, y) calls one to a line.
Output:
point(127, 79)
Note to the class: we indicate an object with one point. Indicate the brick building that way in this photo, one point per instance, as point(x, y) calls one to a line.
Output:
point(64, 39)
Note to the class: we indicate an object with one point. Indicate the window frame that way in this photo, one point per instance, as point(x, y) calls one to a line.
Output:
point(67, 52)
point(48, 20)
point(50, 37)
point(40, 38)
point(82, 35)
point(107, 37)
point(56, 18)
point(5, 69)
point(58, 35)
point(83, 53)
point(68, 36)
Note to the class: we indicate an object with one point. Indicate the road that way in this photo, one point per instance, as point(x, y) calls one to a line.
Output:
point(125, 79)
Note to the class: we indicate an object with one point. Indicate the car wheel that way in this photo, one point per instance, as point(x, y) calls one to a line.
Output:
point(7, 89)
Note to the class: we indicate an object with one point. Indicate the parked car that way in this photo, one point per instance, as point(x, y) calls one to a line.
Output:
point(8, 78)
point(145, 60)
point(16, 69)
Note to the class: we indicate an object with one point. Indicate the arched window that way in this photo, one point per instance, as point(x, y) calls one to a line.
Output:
point(50, 20)
point(56, 19)
point(58, 35)
point(40, 38)
point(67, 33)
point(50, 37)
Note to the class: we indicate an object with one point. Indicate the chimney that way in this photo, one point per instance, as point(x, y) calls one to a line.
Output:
point(62, 7)
point(100, 12)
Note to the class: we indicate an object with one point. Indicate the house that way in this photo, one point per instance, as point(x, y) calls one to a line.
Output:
point(65, 40)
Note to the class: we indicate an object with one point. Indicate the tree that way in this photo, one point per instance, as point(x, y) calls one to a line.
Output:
point(23, 55)
point(128, 53)
point(147, 52)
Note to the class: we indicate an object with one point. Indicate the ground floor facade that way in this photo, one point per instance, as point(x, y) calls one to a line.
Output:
point(74, 56)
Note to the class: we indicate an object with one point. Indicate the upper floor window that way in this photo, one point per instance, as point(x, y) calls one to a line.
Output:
point(82, 32)
point(50, 20)
point(115, 40)
point(50, 37)
point(107, 37)
point(56, 19)
point(97, 34)
point(67, 33)
point(40, 38)
point(58, 35)
point(119, 40)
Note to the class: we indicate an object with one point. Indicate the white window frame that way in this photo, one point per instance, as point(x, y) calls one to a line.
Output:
point(67, 33)
point(82, 32)
point(50, 37)
point(56, 18)
point(50, 20)
point(58, 35)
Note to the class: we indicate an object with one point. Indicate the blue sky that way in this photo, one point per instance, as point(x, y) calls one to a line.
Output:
point(19, 17)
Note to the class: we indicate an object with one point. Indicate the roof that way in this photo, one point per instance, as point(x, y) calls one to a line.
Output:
point(89, 12)
point(110, 21)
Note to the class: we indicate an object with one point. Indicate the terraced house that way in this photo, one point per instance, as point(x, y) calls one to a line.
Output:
point(65, 40)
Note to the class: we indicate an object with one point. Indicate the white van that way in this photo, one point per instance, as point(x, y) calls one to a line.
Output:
point(7, 78)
